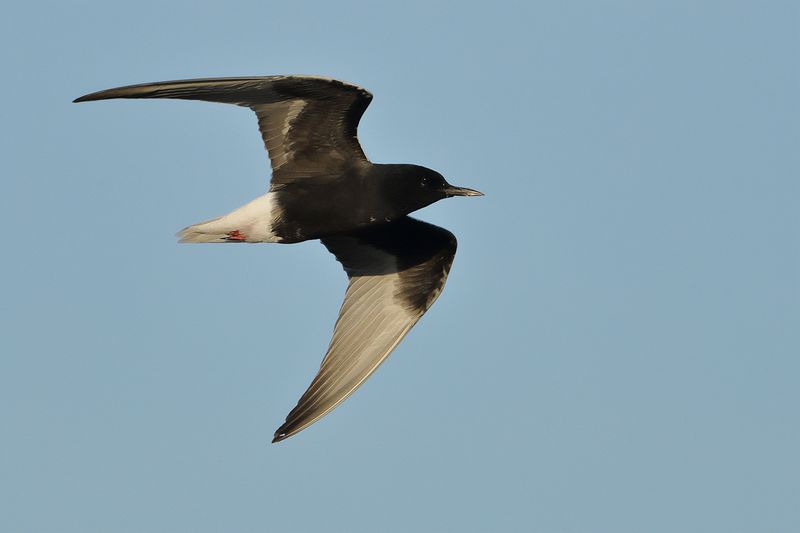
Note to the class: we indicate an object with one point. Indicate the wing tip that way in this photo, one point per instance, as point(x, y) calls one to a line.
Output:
point(99, 95)
point(280, 435)
point(292, 426)
point(107, 94)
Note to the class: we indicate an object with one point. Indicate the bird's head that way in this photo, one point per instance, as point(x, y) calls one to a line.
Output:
point(434, 183)
point(417, 187)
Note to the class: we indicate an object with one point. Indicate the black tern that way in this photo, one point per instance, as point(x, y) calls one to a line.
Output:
point(324, 187)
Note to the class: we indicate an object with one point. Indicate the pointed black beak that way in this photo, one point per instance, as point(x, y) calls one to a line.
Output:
point(451, 190)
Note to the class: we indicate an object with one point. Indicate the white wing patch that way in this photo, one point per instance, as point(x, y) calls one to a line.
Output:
point(275, 120)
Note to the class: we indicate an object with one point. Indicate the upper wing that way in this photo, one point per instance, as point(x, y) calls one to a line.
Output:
point(309, 124)
point(396, 272)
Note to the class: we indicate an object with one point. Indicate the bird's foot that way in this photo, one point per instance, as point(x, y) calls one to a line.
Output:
point(236, 236)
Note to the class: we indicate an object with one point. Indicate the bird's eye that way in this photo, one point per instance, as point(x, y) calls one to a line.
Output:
point(425, 180)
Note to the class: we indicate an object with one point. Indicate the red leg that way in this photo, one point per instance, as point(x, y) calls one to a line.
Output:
point(236, 236)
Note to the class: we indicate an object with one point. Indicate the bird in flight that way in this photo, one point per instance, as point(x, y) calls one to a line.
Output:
point(324, 187)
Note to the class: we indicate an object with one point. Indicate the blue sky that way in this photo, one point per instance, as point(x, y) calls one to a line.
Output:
point(617, 346)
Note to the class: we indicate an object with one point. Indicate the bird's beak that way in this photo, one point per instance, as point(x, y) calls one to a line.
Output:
point(450, 190)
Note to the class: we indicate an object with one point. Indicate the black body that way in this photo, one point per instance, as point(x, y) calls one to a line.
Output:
point(365, 194)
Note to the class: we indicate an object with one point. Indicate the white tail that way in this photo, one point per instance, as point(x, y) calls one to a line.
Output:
point(250, 223)
point(196, 233)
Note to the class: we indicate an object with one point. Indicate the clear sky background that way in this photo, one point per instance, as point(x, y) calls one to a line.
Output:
point(617, 346)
